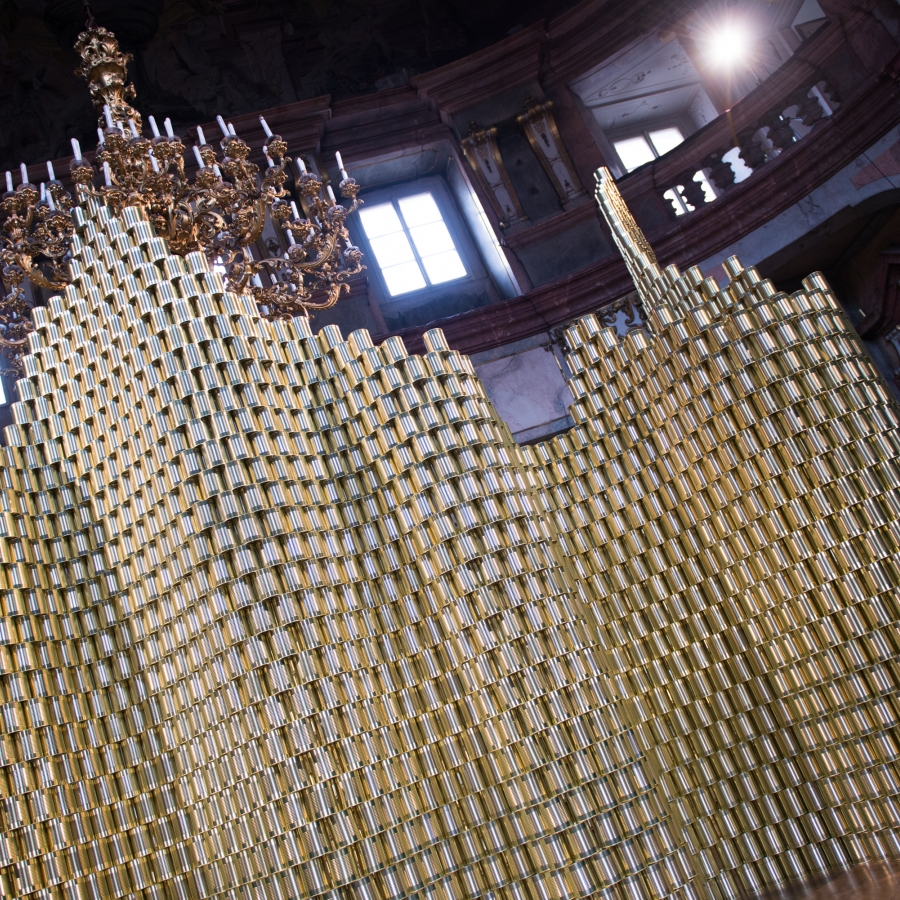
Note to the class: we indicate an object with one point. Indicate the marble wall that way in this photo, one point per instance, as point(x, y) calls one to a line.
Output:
point(525, 383)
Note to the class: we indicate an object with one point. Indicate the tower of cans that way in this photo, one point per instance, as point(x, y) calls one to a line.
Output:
point(286, 615)
point(729, 504)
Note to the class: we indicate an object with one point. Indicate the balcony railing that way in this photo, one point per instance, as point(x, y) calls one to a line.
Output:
point(786, 123)
point(782, 111)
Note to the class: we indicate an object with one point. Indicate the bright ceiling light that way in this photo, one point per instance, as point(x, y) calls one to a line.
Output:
point(729, 45)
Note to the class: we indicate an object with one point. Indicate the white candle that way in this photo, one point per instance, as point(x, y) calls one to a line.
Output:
point(76, 149)
point(218, 171)
point(265, 126)
point(198, 156)
point(200, 136)
point(107, 175)
point(154, 163)
point(108, 114)
point(168, 126)
point(101, 136)
point(50, 202)
point(9, 184)
point(43, 192)
point(293, 205)
point(133, 127)
point(222, 126)
point(231, 130)
point(290, 237)
point(269, 158)
point(23, 171)
point(331, 195)
point(153, 127)
point(51, 175)
point(338, 160)
point(301, 165)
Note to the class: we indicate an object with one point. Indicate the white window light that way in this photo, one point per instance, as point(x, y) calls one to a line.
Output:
point(644, 148)
point(411, 243)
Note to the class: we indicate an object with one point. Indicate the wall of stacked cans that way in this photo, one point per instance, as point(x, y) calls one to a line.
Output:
point(287, 615)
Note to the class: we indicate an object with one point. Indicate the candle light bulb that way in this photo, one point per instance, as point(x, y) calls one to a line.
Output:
point(265, 126)
point(293, 207)
point(43, 192)
point(76, 149)
point(200, 136)
point(231, 130)
point(167, 124)
point(107, 175)
point(290, 237)
point(154, 163)
point(331, 195)
point(23, 171)
point(222, 126)
point(50, 202)
point(198, 157)
point(301, 165)
point(51, 175)
point(218, 171)
point(133, 128)
point(108, 113)
point(338, 160)
point(9, 183)
point(101, 136)
point(153, 127)
point(269, 158)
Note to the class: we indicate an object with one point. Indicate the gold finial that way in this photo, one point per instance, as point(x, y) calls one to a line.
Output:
point(105, 68)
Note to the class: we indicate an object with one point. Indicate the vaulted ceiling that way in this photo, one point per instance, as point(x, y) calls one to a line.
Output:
point(197, 58)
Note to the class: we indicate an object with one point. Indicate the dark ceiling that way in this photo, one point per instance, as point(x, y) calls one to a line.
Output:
point(197, 58)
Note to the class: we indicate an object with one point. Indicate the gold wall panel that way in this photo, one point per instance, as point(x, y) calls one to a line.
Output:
point(290, 616)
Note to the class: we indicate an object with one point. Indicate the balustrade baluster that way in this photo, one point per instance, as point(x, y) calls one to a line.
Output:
point(691, 190)
point(781, 134)
point(720, 172)
point(752, 152)
point(809, 110)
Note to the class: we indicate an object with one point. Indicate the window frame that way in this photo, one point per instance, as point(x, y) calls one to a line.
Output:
point(452, 221)
point(644, 132)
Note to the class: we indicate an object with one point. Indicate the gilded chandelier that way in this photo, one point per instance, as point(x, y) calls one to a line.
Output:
point(221, 212)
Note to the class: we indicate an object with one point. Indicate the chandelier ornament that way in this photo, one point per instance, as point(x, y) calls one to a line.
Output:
point(221, 212)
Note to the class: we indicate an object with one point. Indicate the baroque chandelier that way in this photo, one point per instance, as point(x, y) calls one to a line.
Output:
point(221, 212)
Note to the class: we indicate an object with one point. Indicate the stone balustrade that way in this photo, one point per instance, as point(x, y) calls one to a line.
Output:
point(789, 120)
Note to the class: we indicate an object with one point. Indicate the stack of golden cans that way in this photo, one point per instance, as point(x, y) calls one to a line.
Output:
point(290, 616)
point(728, 502)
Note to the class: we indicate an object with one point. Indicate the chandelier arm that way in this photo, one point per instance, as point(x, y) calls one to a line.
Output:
point(36, 276)
point(334, 294)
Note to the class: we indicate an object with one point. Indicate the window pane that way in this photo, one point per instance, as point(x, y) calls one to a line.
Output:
point(444, 266)
point(634, 152)
point(666, 139)
point(392, 249)
point(431, 239)
point(404, 278)
point(379, 220)
point(420, 209)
